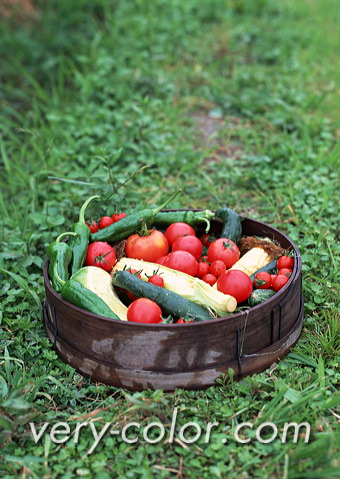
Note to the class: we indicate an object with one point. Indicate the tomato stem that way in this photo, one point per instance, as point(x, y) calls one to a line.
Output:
point(101, 258)
point(229, 246)
point(144, 230)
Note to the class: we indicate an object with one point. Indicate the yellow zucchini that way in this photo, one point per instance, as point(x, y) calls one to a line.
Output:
point(194, 289)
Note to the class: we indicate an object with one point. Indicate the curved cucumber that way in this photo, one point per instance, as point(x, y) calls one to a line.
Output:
point(260, 295)
point(171, 303)
point(232, 228)
point(77, 294)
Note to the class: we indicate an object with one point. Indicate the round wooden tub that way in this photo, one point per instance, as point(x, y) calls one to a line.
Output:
point(190, 356)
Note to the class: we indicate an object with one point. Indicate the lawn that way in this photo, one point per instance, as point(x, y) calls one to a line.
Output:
point(236, 103)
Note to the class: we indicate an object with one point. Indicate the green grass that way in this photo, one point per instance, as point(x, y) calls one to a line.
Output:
point(95, 90)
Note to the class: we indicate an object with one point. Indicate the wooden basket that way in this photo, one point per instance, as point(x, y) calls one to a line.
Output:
point(192, 355)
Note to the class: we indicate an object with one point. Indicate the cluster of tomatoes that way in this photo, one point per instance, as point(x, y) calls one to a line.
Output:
point(104, 222)
point(264, 280)
point(182, 250)
point(179, 248)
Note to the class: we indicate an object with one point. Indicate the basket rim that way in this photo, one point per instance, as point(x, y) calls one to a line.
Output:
point(282, 292)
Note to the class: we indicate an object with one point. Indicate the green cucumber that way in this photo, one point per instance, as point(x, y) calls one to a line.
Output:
point(269, 268)
point(232, 228)
point(171, 303)
point(260, 295)
point(77, 294)
point(85, 291)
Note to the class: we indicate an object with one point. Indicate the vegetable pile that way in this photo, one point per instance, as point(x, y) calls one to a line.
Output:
point(154, 266)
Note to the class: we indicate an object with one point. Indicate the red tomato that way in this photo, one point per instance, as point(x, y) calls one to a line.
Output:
point(160, 260)
point(100, 254)
point(188, 243)
point(143, 310)
point(236, 283)
point(285, 262)
point(217, 267)
point(157, 280)
point(206, 239)
point(209, 278)
point(105, 221)
point(134, 271)
point(262, 280)
point(93, 225)
point(225, 250)
point(148, 248)
point(182, 321)
point(287, 272)
point(272, 277)
point(202, 269)
point(130, 295)
point(178, 229)
point(181, 261)
point(117, 216)
point(279, 282)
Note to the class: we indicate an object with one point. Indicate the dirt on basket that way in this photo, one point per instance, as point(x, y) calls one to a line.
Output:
point(119, 247)
point(269, 246)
